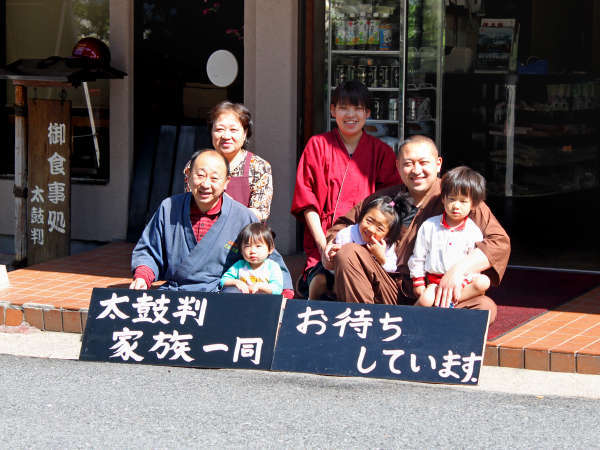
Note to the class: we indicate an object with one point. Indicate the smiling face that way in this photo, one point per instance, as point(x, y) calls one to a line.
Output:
point(375, 223)
point(350, 119)
point(419, 164)
point(228, 134)
point(255, 252)
point(208, 179)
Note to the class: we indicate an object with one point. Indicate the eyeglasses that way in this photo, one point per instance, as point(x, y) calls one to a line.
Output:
point(202, 177)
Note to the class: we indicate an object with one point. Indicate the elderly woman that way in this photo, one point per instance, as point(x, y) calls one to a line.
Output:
point(251, 181)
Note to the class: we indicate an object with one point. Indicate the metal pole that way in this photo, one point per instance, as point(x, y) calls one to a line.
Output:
point(510, 139)
point(92, 123)
point(20, 188)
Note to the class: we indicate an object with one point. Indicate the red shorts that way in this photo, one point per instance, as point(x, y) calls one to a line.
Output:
point(434, 278)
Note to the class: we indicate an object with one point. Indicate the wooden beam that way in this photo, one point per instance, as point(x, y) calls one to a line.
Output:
point(20, 191)
point(308, 70)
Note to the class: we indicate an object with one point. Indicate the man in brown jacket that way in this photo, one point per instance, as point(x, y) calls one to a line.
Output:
point(359, 278)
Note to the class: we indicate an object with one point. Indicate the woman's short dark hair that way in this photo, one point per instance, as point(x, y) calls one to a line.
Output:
point(395, 207)
point(240, 111)
point(204, 150)
point(463, 180)
point(257, 231)
point(351, 92)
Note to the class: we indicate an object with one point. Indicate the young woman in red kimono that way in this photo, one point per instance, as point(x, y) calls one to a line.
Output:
point(337, 169)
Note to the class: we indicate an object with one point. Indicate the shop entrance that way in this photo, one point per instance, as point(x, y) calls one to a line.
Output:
point(529, 123)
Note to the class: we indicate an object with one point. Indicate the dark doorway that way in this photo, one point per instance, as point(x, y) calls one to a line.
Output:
point(173, 94)
point(533, 132)
point(173, 41)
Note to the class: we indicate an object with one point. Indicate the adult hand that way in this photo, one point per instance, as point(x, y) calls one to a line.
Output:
point(449, 289)
point(328, 255)
point(138, 283)
point(377, 249)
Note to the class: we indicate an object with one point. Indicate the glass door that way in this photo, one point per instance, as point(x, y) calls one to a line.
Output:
point(424, 63)
point(365, 41)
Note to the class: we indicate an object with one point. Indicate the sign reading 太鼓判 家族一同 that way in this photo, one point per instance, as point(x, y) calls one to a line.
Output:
point(195, 329)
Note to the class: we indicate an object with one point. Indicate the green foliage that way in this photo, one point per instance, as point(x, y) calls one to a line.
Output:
point(91, 17)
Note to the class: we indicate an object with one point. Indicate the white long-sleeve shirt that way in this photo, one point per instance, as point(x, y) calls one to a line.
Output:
point(351, 235)
point(438, 247)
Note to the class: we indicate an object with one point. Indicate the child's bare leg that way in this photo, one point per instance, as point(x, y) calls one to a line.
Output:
point(477, 287)
point(427, 297)
point(317, 287)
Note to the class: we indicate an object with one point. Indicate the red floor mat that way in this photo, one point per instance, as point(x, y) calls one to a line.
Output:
point(527, 293)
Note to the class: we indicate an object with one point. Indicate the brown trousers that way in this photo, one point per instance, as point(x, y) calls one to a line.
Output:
point(360, 279)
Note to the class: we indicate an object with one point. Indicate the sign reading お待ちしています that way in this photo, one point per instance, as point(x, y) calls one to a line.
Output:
point(383, 341)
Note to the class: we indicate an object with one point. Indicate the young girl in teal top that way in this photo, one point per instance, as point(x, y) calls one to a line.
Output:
point(255, 274)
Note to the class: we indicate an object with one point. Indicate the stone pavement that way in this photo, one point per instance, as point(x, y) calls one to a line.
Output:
point(30, 342)
point(55, 295)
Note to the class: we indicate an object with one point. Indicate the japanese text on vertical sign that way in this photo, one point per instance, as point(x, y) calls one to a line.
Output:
point(55, 192)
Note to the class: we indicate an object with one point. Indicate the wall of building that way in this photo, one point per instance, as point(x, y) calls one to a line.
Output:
point(270, 92)
point(100, 212)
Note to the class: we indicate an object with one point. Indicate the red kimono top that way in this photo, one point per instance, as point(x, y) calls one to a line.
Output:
point(327, 175)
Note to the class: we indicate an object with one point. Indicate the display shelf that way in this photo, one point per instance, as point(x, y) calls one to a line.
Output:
point(374, 121)
point(418, 89)
point(383, 64)
point(429, 119)
point(528, 192)
point(543, 142)
point(376, 59)
point(368, 52)
point(551, 159)
point(372, 89)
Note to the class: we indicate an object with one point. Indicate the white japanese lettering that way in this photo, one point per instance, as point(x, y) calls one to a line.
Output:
point(111, 310)
point(124, 349)
point(57, 164)
point(247, 348)
point(306, 315)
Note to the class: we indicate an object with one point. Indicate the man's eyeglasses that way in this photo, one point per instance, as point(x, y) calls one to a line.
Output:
point(202, 177)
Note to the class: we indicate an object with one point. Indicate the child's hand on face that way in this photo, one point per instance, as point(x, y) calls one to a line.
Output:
point(377, 249)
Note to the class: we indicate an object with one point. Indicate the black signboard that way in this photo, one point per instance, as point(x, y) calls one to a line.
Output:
point(177, 328)
point(436, 345)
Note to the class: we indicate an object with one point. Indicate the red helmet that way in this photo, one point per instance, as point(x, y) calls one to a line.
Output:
point(93, 49)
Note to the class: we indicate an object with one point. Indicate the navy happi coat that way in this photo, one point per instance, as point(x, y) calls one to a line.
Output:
point(168, 245)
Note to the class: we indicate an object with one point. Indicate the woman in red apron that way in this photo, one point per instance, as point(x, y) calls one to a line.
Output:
point(251, 180)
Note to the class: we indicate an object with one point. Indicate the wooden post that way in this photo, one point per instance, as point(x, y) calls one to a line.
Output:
point(20, 188)
point(49, 179)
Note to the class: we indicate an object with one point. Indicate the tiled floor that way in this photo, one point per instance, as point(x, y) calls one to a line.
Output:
point(55, 296)
point(566, 339)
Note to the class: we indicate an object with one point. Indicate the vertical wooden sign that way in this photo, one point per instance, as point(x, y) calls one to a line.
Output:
point(49, 180)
